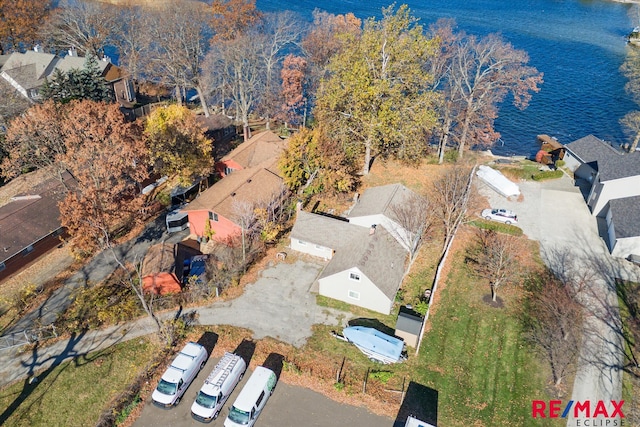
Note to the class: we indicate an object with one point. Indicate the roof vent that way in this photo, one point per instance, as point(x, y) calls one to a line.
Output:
point(372, 230)
point(233, 194)
point(249, 180)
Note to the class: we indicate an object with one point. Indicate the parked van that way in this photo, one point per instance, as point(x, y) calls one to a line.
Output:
point(252, 398)
point(179, 374)
point(218, 387)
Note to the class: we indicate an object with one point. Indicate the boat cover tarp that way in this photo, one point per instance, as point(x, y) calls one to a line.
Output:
point(375, 341)
point(496, 180)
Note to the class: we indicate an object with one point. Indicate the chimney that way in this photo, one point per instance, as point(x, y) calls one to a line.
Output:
point(372, 230)
point(298, 205)
point(73, 51)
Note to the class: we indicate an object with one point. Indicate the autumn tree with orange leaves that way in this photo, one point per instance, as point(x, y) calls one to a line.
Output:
point(20, 21)
point(294, 81)
point(232, 17)
point(108, 158)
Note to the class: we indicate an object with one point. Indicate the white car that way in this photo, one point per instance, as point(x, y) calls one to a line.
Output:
point(179, 374)
point(500, 215)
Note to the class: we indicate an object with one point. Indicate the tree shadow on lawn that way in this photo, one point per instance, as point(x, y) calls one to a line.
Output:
point(33, 382)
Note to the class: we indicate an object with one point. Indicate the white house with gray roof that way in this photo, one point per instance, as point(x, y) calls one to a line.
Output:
point(27, 72)
point(376, 206)
point(614, 178)
point(366, 251)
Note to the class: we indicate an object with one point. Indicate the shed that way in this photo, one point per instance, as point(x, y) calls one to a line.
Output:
point(408, 326)
point(162, 268)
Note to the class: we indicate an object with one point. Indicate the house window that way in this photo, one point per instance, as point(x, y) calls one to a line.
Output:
point(27, 250)
point(213, 216)
point(2, 266)
point(227, 170)
point(354, 276)
point(302, 243)
point(354, 295)
point(320, 248)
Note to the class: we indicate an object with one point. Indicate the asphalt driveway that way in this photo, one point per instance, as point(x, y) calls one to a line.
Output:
point(288, 406)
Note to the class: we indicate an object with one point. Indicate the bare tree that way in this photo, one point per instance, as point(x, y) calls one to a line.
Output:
point(414, 216)
point(478, 75)
point(553, 321)
point(132, 39)
point(233, 68)
point(179, 32)
point(450, 199)
point(279, 32)
point(84, 25)
point(497, 258)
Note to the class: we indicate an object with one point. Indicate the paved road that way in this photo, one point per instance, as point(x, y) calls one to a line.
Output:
point(97, 270)
point(288, 406)
point(278, 304)
point(555, 214)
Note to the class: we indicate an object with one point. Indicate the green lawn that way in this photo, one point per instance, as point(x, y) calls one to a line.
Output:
point(76, 392)
point(476, 360)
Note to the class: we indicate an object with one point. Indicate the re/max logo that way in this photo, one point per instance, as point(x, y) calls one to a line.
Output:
point(581, 409)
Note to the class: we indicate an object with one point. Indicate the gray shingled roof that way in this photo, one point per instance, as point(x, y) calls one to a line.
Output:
point(380, 200)
point(379, 256)
point(408, 322)
point(625, 215)
point(321, 230)
point(609, 162)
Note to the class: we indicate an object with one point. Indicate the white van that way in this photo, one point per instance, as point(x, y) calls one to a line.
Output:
point(252, 398)
point(218, 387)
point(179, 374)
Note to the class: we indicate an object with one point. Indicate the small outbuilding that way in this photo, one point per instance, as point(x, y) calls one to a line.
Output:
point(163, 267)
point(409, 325)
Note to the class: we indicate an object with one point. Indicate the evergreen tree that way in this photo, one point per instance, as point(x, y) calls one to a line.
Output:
point(86, 83)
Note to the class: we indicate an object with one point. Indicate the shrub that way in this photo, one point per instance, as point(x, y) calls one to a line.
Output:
point(382, 376)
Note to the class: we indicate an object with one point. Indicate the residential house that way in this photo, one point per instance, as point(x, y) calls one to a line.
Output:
point(612, 180)
point(164, 266)
point(377, 205)
point(30, 225)
point(260, 148)
point(366, 250)
point(220, 205)
point(27, 72)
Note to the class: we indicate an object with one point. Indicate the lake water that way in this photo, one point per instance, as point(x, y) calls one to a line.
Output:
point(578, 45)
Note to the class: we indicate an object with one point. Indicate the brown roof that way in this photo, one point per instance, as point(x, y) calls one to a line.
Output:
point(262, 147)
point(160, 258)
point(247, 185)
point(31, 217)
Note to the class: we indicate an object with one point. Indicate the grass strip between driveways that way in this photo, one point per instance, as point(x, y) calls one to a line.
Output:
point(475, 358)
point(76, 392)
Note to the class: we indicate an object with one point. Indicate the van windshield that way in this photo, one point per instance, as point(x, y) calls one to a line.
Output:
point(165, 387)
point(238, 416)
point(205, 400)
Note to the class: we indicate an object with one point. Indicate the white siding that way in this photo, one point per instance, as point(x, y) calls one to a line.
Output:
point(617, 189)
point(571, 161)
point(311, 249)
point(626, 247)
point(337, 286)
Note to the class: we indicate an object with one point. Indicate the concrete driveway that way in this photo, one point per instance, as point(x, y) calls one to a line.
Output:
point(288, 406)
point(555, 214)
